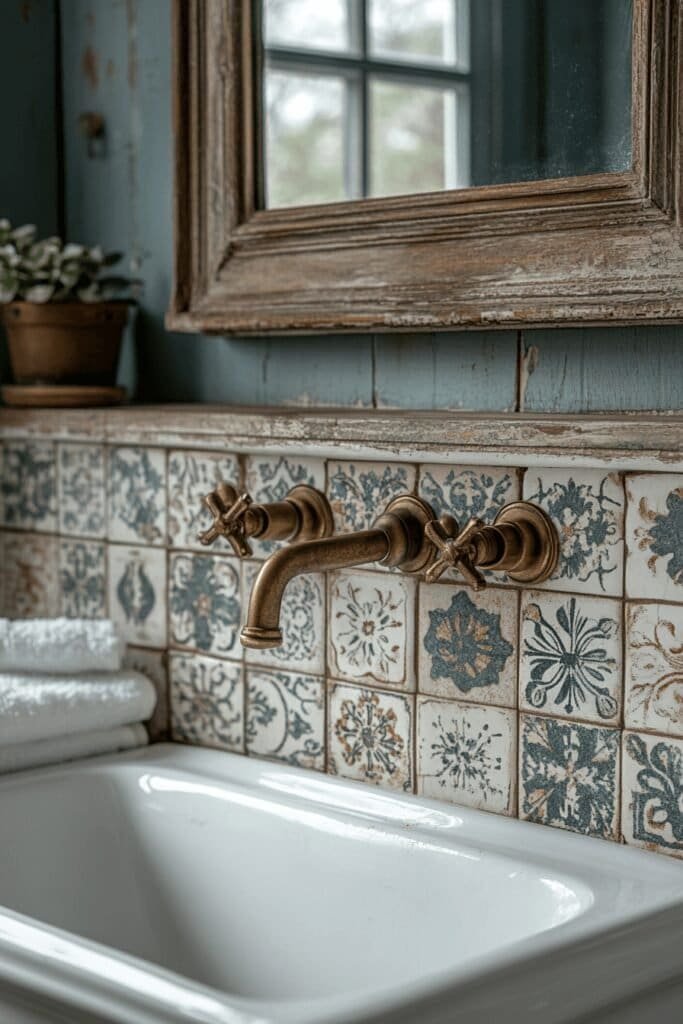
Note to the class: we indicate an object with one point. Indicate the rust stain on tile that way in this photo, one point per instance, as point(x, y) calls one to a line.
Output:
point(25, 11)
point(89, 66)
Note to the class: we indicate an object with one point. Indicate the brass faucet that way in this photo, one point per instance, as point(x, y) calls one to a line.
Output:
point(305, 514)
point(397, 538)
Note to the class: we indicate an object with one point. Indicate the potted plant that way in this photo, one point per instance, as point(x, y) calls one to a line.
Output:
point(63, 311)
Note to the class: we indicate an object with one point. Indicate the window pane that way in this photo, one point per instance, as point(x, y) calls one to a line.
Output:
point(305, 125)
point(432, 31)
point(413, 138)
point(307, 24)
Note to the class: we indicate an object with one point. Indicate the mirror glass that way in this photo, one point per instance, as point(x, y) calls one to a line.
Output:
point(388, 97)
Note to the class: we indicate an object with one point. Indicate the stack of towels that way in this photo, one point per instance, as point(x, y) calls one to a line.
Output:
point(64, 693)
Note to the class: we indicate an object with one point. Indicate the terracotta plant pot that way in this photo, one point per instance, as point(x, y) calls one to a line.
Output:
point(64, 342)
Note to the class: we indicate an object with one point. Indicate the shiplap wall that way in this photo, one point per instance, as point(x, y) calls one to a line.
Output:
point(116, 60)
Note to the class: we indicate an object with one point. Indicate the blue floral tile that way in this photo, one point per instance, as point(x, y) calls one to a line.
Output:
point(302, 621)
point(271, 478)
point(653, 676)
point(569, 775)
point(570, 656)
point(136, 579)
point(370, 736)
point(360, 491)
point(654, 536)
point(467, 644)
point(652, 793)
point(467, 754)
point(587, 508)
point(30, 576)
point(137, 495)
point(286, 718)
point(82, 490)
point(82, 579)
point(205, 610)
point(191, 475)
point(153, 665)
point(371, 628)
point(29, 486)
point(207, 701)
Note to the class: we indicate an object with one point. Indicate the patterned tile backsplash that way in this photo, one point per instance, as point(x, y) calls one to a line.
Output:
point(561, 704)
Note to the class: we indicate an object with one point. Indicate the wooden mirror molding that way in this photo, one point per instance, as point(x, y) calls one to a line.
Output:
point(599, 249)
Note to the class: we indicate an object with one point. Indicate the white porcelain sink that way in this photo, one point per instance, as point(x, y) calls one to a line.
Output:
point(190, 885)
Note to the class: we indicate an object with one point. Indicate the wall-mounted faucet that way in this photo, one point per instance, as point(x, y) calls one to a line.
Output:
point(305, 515)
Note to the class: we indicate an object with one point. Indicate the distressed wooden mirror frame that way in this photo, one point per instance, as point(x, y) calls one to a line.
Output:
point(599, 249)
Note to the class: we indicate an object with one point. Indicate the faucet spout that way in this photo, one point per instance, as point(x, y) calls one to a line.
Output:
point(397, 538)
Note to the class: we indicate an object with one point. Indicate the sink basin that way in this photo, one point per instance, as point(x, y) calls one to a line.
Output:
point(178, 884)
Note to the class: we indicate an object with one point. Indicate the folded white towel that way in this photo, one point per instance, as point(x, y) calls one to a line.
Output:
point(59, 645)
point(40, 707)
point(67, 748)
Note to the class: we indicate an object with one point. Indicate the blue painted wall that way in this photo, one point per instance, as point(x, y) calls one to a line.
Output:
point(116, 57)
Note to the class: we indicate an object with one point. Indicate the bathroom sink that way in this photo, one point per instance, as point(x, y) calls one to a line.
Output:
point(178, 884)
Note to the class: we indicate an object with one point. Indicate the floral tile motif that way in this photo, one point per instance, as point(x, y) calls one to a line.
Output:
point(82, 490)
point(82, 579)
point(30, 579)
point(370, 736)
point(271, 478)
point(191, 475)
point(654, 668)
point(652, 793)
point(302, 621)
point(286, 718)
point(467, 754)
point(137, 593)
point(569, 775)
point(153, 665)
point(587, 508)
point(371, 628)
point(207, 701)
point(467, 644)
point(654, 536)
point(29, 485)
point(137, 495)
point(570, 656)
point(359, 491)
point(205, 612)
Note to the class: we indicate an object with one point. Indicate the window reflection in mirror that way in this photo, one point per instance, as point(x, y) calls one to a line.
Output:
point(389, 97)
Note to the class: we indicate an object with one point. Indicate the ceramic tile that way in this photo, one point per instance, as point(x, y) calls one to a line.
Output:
point(652, 793)
point(153, 665)
point(371, 628)
point(286, 717)
point(207, 701)
point(137, 593)
point(302, 621)
point(467, 643)
point(82, 579)
point(360, 491)
point(569, 775)
point(654, 668)
point(467, 754)
point(271, 478)
point(205, 611)
point(587, 507)
point(370, 736)
point(570, 657)
point(29, 485)
point(82, 490)
point(191, 475)
point(654, 536)
point(30, 583)
point(137, 495)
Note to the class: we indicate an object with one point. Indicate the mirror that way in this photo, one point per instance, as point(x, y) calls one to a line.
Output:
point(371, 98)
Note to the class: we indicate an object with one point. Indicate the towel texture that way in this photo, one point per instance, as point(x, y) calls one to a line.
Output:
point(39, 708)
point(20, 756)
point(59, 645)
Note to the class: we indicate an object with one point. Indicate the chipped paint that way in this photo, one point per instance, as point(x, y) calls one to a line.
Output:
point(528, 363)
